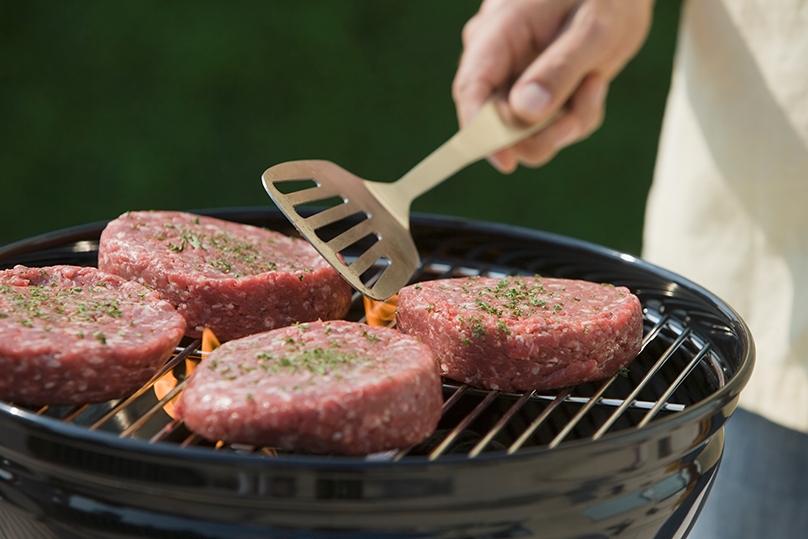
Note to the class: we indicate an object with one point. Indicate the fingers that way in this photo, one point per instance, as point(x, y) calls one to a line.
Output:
point(485, 66)
point(588, 107)
point(505, 160)
point(564, 53)
point(501, 40)
point(557, 72)
point(599, 36)
point(581, 117)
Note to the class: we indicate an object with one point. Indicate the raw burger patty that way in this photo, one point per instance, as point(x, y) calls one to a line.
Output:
point(235, 279)
point(325, 387)
point(523, 333)
point(71, 335)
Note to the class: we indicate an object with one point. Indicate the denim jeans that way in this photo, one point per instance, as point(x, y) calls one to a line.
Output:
point(761, 490)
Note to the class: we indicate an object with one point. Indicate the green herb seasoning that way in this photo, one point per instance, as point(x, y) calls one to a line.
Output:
point(503, 327)
point(318, 361)
point(227, 254)
point(372, 337)
point(221, 265)
point(518, 298)
point(508, 298)
point(50, 303)
point(477, 328)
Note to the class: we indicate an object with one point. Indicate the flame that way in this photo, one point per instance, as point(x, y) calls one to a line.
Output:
point(163, 387)
point(209, 341)
point(380, 313)
point(168, 381)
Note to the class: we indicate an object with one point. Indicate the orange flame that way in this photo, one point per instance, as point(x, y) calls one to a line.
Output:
point(380, 313)
point(209, 341)
point(168, 381)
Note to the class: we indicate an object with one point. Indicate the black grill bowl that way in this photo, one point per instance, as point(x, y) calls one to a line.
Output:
point(591, 468)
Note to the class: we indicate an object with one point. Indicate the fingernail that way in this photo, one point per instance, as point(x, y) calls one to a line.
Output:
point(532, 100)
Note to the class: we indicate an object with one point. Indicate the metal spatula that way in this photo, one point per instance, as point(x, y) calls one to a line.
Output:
point(388, 256)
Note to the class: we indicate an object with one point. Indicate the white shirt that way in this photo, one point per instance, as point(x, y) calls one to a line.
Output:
point(728, 208)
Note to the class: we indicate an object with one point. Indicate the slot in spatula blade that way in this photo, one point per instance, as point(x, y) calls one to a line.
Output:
point(354, 233)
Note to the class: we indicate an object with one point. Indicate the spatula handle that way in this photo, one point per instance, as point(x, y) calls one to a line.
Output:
point(486, 134)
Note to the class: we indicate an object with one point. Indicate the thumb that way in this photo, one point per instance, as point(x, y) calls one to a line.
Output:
point(531, 101)
point(549, 81)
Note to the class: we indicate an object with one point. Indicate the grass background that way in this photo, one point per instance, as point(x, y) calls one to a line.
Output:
point(113, 106)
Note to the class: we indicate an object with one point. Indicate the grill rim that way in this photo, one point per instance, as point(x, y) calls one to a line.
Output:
point(725, 397)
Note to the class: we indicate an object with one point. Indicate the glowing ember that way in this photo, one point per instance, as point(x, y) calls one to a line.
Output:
point(168, 382)
point(380, 313)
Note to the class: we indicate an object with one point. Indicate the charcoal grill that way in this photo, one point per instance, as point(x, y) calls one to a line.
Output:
point(632, 456)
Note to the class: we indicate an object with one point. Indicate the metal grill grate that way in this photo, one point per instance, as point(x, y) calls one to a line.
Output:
point(675, 369)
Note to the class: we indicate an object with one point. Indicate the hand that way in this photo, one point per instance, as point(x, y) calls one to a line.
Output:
point(550, 53)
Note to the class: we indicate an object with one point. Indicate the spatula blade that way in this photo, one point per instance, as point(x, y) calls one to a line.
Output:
point(376, 255)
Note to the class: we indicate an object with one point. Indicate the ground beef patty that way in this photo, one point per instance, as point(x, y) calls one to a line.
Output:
point(70, 335)
point(235, 279)
point(523, 333)
point(325, 387)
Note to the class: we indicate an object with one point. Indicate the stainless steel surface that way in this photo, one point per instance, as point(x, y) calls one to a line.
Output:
point(383, 208)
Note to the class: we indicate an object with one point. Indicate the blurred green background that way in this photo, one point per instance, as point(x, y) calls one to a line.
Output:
point(114, 106)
